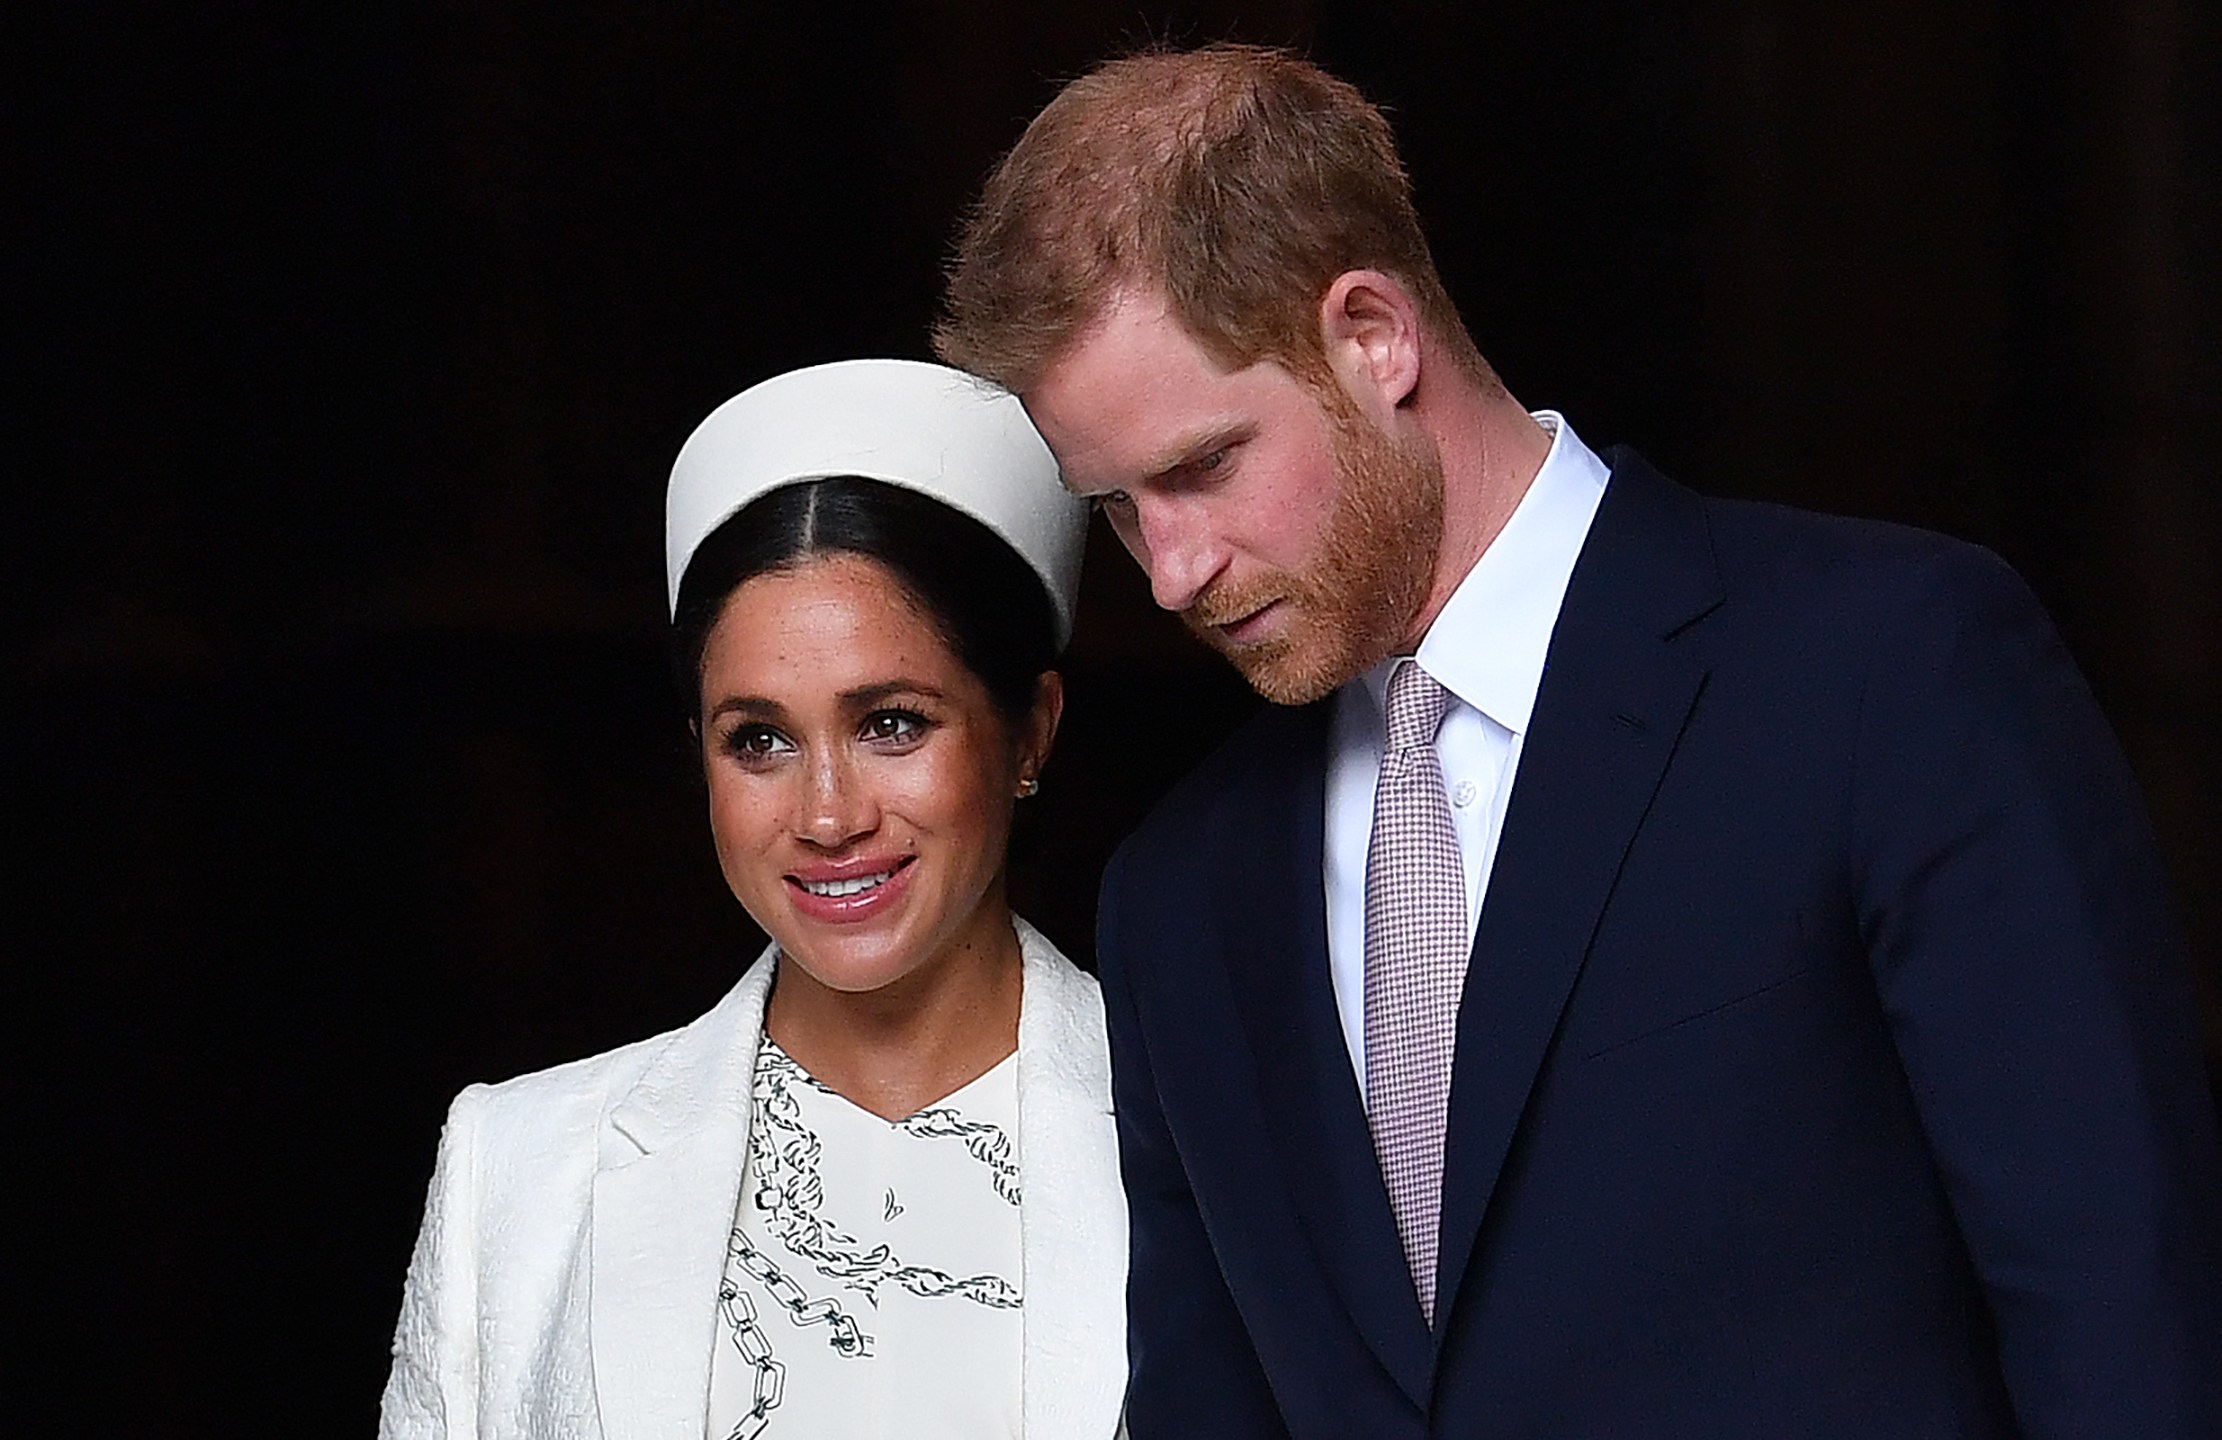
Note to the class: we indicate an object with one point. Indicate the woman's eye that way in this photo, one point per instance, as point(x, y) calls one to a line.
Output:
point(894, 725)
point(757, 742)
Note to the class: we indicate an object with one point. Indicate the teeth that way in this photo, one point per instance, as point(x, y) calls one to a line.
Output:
point(854, 885)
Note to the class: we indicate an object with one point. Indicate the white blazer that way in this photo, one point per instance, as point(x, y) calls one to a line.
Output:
point(565, 1282)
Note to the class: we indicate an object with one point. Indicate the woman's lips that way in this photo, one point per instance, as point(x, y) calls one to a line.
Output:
point(848, 893)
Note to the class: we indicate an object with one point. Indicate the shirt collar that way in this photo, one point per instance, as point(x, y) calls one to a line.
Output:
point(1488, 642)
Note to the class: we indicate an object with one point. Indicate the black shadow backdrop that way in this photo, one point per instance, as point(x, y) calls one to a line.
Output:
point(361, 339)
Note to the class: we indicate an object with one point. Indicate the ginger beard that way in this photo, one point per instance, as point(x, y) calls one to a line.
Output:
point(1366, 586)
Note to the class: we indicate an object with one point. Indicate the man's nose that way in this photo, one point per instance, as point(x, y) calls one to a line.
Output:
point(1178, 549)
point(836, 806)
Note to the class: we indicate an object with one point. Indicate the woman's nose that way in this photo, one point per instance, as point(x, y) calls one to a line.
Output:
point(837, 807)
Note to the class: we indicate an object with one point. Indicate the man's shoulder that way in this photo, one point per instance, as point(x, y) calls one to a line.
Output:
point(1277, 748)
point(1765, 536)
point(1785, 555)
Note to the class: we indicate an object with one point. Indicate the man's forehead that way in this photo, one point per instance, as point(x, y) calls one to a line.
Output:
point(1118, 436)
point(1134, 346)
point(1127, 312)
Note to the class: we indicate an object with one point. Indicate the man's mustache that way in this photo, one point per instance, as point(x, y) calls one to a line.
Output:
point(1226, 603)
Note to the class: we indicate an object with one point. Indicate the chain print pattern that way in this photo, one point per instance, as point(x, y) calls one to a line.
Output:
point(987, 1143)
point(769, 1375)
point(783, 1171)
point(783, 1156)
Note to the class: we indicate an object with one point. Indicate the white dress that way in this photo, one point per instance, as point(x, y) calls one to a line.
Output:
point(872, 1277)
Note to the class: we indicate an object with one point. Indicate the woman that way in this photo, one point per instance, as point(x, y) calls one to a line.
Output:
point(876, 1189)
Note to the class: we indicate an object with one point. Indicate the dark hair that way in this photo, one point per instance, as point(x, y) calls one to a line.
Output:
point(989, 606)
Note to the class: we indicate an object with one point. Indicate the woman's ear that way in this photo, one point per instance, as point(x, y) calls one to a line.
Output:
point(698, 752)
point(1040, 730)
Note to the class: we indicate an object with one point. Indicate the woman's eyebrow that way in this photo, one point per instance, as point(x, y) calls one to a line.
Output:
point(866, 696)
point(750, 707)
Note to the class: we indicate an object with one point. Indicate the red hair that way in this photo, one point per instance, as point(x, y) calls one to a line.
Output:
point(1236, 180)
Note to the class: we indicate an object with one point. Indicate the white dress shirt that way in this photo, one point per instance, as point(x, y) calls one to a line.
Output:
point(1486, 648)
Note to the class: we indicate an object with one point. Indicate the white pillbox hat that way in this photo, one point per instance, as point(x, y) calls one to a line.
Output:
point(960, 439)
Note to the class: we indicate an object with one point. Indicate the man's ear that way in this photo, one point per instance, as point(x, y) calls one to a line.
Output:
point(1370, 331)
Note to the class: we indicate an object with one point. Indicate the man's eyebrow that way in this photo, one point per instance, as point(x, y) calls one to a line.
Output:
point(1197, 445)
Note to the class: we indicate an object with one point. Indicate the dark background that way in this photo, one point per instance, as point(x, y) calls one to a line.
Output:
point(360, 339)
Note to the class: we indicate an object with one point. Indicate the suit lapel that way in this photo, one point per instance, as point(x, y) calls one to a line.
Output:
point(1615, 697)
point(674, 1151)
point(1275, 927)
point(1072, 1225)
point(672, 1155)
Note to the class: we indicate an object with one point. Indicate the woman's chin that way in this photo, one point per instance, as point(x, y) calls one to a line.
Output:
point(855, 962)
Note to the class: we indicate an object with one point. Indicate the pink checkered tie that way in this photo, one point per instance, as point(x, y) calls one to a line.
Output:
point(1416, 951)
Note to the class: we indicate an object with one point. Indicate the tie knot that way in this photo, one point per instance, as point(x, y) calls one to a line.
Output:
point(1417, 705)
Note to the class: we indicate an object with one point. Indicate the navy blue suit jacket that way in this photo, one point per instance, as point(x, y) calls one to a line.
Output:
point(1825, 1064)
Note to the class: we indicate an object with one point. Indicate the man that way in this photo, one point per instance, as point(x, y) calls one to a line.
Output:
point(1673, 968)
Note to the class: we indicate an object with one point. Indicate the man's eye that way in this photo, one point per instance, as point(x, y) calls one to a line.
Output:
point(895, 725)
point(1112, 501)
point(1212, 461)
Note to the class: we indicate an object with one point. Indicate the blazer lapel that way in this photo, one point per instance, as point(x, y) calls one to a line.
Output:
point(1275, 927)
point(1615, 697)
point(1072, 1222)
point(672, 1155)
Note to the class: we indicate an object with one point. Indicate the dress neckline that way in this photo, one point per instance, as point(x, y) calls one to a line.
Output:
point(987, 1079)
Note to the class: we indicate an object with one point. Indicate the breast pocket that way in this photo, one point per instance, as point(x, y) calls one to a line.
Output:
point(1637, 988)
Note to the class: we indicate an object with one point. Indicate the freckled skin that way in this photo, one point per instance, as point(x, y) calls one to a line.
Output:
point(1131, 397)
point(840, 730)
point(1296, 537)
